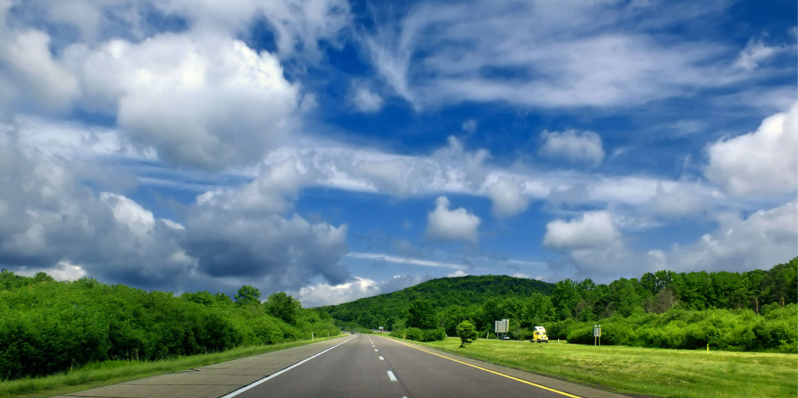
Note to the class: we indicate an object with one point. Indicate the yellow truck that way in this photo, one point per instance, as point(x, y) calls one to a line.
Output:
point(539, 335)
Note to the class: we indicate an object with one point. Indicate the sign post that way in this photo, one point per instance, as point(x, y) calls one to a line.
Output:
point(596, 334)
point(501, 327)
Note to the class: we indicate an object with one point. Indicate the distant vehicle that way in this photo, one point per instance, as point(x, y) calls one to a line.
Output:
point(505, 337)
point(539, 335)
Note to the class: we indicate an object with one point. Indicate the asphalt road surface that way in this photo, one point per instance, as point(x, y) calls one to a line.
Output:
point(373, 366)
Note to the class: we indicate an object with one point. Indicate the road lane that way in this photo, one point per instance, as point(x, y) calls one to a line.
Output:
point(373, 366)
point(357, 366)
point(351, 370)
point(427, 375)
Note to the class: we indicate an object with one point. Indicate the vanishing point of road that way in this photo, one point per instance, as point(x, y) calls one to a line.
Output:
point(352, 367)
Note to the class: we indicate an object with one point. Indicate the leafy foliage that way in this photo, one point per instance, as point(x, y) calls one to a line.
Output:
point(421, 315)
point(466, 332)
point(248, 295)
point(283, 306)
point(752, 311)
point(464, 292)
point(734, 330)
point(420, 334)
point(48, 326)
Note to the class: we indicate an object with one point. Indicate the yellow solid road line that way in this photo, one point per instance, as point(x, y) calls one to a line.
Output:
point(492, 371)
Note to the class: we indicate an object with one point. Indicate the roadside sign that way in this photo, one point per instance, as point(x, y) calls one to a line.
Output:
point(502, 326)
point(596, 334)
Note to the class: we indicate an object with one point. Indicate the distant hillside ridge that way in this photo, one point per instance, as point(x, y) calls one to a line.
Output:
point(483, 299)
point(463, 291)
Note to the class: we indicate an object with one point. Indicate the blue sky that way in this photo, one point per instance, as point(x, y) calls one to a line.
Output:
point(339, 149)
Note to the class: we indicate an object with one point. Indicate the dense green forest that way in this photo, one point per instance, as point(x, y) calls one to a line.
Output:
point(468, 291)
point(48, 326)
point(753, 310)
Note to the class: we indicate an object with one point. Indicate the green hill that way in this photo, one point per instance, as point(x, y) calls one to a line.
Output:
point(467, 291)
point(749, 311)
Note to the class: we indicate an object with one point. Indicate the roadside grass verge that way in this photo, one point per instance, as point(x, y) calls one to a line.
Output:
point(113, 372)
point(648, 371)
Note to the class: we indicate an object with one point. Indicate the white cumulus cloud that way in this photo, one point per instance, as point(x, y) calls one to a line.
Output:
point(508, 197)
point(327, 294)
point(763, 239)
point(762, 162)
point(273, 191)
point(572, 145)
point(457, 224)
point(590, 230)
point(33, 73)
point(684, 199)
point(200, 100)
point(365, 100)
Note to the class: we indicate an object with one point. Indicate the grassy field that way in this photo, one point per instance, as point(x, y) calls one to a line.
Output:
point(112, 372)
point(648, 371)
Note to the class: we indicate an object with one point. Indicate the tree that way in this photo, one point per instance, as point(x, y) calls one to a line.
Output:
point(247, 296)
point(467, 333)
point(663, 301)
point(421, 315)
point(203, 298)
point(565, 298)
point(42, 277)
point(539, 310)
point(283, 306)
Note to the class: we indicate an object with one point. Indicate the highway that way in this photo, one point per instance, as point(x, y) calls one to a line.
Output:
point(374, 366)
point(352, 366)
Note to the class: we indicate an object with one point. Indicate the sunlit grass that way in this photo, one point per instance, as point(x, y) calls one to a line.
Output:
point(649, 371)
point(112, 372)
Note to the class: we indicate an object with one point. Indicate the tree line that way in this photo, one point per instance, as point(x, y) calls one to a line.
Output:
point(721, 308)
point(390, 310)
point(48, 326)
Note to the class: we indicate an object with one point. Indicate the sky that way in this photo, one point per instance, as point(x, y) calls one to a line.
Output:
point(340, 149)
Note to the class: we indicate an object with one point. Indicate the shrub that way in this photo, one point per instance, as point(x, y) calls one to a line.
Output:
point(420, 334)
point(48, 326)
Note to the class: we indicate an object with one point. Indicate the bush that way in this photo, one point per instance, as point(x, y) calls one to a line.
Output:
point(48, 326)
point(734, 330)
point(420, 334)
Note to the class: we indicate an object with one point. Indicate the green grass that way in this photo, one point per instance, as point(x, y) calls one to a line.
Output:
point(649, 371)
point(112, 372)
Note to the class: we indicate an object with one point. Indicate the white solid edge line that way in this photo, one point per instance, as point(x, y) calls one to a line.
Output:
point(273, 375)
point(391, 376)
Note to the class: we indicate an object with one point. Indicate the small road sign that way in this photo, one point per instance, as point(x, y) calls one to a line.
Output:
point(596, 334)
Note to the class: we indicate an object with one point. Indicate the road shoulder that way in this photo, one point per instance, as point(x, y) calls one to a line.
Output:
point(209, 381)
point(550, 382)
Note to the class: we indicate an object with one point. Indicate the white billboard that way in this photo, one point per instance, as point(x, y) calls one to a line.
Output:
point(502, 326)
